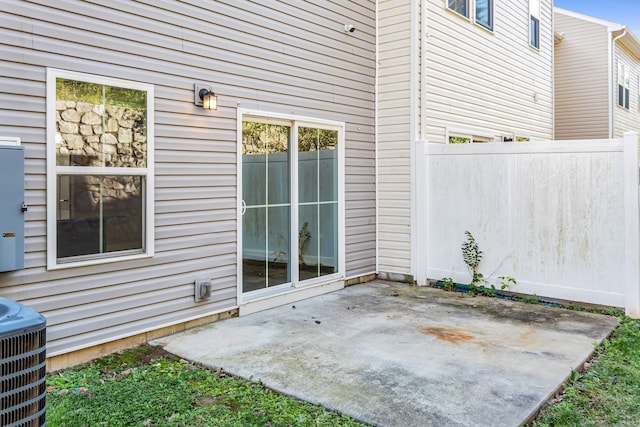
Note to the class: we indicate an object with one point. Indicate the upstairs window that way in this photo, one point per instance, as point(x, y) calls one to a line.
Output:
point(462, 138)
point(484, 13)
point(623, 85)
point(100, 163)
point(534, 23)
point(459, 6)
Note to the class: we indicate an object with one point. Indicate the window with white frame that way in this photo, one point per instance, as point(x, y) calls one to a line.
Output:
point(99, 169)
point(534, 23)
point(484, 13)
point(623, 85)
point(459, 6)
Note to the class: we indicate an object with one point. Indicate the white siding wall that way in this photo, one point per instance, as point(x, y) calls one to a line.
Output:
point(286, 56)
point(475, 81)
point(625, 120)
point(394, 159)
point(488, 82)
point(581, 79)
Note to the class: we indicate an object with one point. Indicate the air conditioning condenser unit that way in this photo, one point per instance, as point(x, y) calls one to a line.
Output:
point(23, 366)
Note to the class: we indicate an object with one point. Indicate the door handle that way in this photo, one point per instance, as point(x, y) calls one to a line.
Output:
point(243, 207)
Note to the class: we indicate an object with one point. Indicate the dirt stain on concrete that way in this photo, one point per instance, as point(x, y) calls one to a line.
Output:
point(452, 335)
point(527, 334)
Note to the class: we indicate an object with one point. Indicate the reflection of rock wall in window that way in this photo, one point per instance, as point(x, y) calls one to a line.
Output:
point(98, 136)
point(95, 135)
point(101, 214)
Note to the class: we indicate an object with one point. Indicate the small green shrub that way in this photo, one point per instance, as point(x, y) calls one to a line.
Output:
point(448, 284)
point(506, 282)
point(472, 256)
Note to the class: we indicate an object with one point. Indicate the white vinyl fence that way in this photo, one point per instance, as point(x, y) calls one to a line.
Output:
point(561, 217)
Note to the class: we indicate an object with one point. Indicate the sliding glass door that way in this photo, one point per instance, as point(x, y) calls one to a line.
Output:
point(290, 203)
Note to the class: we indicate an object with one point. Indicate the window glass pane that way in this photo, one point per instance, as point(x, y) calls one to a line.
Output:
point(460, 6)
point(626, 98)
point(317, 165)
point(308, 164)
point(626, 77)
point(459, 140)
point(278, 164)
point(328, 234)
point(318, 240)
point(99, 125)
point(484, 13)
point(254, 249)
point(99, 214)
point(265, 159)
point(534, 28)
point(308, 260)
point(621, 72)
point(477, 138)
point(278, 245)
point(254, 163)
point(328, 165)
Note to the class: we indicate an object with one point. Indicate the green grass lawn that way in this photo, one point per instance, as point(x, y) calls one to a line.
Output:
point(607, 393)
point(148, 387)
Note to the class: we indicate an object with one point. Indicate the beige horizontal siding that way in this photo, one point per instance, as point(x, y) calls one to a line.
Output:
point(485, 81)
point(627, 119)
point(394, 119)
point(581, 79)
point(285, 56)
point(477, 81)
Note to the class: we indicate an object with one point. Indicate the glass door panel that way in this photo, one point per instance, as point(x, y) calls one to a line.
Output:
point(266, 222)
point(317, 202)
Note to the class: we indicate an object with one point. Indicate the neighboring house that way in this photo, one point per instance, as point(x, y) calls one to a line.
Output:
point(134, 192)
point(452, 71)
point(138, 196)
point(597, 77)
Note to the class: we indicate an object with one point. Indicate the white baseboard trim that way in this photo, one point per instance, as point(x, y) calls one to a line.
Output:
point(288, 297)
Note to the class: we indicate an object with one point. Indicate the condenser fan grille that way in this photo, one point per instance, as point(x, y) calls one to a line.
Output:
point(23, 374)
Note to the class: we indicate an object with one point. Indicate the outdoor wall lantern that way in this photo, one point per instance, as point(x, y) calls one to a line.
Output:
point(205, 97)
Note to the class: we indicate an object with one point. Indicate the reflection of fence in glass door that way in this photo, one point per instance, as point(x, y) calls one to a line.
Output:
point(266, 239)
point(269, 242)
point(317, 202)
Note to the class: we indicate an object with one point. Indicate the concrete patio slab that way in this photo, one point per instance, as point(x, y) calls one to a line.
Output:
point(391, 354)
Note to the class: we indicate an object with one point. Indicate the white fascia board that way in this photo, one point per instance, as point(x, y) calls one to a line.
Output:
point(612, 26)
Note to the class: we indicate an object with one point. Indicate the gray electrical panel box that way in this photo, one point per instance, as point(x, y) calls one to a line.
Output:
point(12, 208)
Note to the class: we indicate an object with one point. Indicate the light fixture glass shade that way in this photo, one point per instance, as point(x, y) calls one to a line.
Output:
point(210, 101)
point(205, 97)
